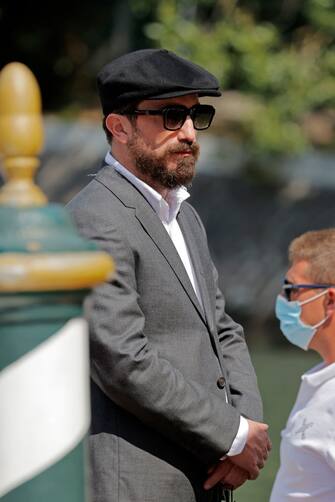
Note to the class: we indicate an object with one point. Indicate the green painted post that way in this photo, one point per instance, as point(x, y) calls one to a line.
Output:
point(46, 270)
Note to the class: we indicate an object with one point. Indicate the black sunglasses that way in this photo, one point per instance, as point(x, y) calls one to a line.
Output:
point(174, 116)
point(289, 287)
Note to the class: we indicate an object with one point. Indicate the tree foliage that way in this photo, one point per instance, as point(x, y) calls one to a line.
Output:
point(275, 60)
point(285, 77)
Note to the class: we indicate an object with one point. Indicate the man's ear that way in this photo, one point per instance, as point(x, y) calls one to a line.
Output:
point(119, 126)
point(330, 302)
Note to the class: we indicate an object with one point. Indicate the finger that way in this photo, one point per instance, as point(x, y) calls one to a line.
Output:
point(263, 453)
point(213, 479)
point(211, 469)
point(267, 450)
point(240, 483)
point(219, 473)
point(235, 479)
point(260, 457)
point(254, 473)
point(235, 485)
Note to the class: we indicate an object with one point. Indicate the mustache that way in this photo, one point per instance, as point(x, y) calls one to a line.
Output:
point(187, 148)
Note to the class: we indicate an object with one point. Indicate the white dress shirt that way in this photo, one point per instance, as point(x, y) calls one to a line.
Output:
point(167, 210)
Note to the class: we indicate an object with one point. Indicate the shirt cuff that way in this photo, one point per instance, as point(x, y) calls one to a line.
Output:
point(240, 438)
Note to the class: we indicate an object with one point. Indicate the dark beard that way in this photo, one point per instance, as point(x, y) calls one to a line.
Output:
point(154, 167)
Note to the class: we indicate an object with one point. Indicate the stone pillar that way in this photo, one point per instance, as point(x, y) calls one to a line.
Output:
point(46, 269)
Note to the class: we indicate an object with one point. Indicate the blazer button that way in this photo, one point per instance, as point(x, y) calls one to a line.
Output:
point(221, 382)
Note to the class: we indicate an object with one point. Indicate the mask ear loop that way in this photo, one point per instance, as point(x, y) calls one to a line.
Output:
point(314, 297)
point(317, 325)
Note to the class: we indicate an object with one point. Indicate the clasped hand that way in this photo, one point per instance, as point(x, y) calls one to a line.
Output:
point(234, 470)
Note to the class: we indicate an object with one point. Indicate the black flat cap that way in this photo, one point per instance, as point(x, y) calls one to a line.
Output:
point(151, 74)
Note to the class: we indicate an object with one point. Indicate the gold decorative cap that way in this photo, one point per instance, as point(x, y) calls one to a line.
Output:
point(53, 271)
point(21, 135)
point(40, 249)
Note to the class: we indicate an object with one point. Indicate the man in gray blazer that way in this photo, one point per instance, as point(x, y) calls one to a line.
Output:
point(175, 406)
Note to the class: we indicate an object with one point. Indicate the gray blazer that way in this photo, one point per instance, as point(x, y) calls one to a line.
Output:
point(160, 363)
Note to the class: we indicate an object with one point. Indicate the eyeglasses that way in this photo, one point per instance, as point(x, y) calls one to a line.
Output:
point(289, 288)
point(174, 116)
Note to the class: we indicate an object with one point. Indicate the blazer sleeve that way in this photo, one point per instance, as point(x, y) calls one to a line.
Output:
point(131, 372)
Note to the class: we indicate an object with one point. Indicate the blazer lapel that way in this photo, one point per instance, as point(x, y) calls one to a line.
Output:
point(201, 278)
point(133, 198)
point(192, 247)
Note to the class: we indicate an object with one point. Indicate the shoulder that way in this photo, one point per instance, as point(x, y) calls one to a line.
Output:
point(90, 203)
point(99, 213)
point(103, 198)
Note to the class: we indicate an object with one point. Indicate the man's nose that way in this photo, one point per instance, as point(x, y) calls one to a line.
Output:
point(187, 131)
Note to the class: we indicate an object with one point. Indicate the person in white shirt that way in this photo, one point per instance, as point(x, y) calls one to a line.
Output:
point(306, 310)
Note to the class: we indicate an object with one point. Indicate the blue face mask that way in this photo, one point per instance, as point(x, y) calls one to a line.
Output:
point(292, 327)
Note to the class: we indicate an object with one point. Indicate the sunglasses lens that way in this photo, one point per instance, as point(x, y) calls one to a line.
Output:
point(174, 118)
point(287, 289)
point(202, 116)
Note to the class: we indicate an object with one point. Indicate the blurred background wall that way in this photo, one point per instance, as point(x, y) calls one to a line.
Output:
point(266, 172)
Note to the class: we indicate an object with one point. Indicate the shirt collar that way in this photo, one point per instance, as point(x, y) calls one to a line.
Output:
point(319, 374)
point(167, 209)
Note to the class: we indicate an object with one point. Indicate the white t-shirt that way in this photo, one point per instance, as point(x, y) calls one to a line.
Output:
point(307, 451)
